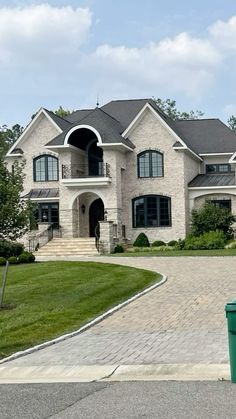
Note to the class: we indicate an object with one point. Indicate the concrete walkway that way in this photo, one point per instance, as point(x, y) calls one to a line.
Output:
point(181, 322)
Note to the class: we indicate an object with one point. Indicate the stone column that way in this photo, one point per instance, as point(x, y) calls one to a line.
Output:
point(106, 242)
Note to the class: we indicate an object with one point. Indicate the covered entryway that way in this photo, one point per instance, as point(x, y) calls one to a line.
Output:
point(87, 211)
point(96, 214)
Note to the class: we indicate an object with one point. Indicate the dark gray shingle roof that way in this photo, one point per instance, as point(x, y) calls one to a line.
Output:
point(201, 136)
point(107, 126)
point(207, 135)
point(61, 122)
point(76, 116)
point(213, 180)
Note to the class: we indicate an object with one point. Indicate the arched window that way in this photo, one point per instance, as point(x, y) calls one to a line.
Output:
point(151, 211)
point(150, 164)
point(45, 168)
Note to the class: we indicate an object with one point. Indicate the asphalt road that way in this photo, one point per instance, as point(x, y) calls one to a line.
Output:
point(164, 400)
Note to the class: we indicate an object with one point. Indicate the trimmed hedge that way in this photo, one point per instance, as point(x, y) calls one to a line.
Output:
point(141, 241)
point(158, 243)
point(13, 260)
point(172, 243)
point(26, 257)
point(118, 249)
point(2, 261)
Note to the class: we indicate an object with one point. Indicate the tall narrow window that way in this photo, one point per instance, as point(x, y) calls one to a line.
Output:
point(150, 164)
point(151, 211)
point(45, 168)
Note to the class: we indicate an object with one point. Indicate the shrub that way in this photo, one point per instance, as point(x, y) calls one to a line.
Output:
point(8, 249)
point(209, 240)
point(16, 249)
point(142, 241)
point(118, 249)
point(211, 218)
point(26, 257)
point(13, 260)
point(2, 261)
point(5, 249)
point(180, 244)
point(158, 243)
point(172, 243)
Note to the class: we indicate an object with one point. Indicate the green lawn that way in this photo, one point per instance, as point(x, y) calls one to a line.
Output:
point(53, 298)
point(170, 253)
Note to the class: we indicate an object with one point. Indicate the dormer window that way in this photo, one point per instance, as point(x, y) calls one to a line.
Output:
point(45, 168)
point(218, 168)
point(150, 164)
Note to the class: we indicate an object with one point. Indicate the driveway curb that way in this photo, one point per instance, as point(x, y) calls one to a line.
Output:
point(86, 326)
point(117, 373)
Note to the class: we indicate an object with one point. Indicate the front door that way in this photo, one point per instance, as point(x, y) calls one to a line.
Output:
point(96, 214)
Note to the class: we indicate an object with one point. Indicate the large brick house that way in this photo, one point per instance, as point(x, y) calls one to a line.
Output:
point(128, 164)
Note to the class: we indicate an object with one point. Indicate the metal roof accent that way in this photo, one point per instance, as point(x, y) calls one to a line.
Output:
point(213, 180)
point(42, 193)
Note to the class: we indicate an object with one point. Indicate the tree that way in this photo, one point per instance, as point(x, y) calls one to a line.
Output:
point(62, 112)
point(8, 137)
point(14, 212)
point(168, 106)
point(211, 218)
point(232, 123)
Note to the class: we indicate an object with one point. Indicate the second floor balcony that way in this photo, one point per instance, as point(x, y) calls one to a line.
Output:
point(96, 173)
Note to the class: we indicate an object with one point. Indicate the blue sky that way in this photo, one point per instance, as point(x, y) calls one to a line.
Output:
point(66, 52)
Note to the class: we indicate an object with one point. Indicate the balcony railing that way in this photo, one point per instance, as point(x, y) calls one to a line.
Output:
point(75, 171)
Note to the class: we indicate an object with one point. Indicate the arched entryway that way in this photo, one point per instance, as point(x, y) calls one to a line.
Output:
point(96, 214)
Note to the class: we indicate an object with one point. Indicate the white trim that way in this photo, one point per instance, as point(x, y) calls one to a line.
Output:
point(27, 129)
point(231, 160)
point(78, 150)
point(212, 187)
point(77, 127)
point(214, 154)
point(84, 182)
point(15, 155)
point(41, 199)
point(161, 120)
point(110, 145)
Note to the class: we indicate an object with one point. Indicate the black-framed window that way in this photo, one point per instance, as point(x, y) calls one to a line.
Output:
point(221, 203)
point(218, 168)
point(150, 164)
point(47, 213)
point(45, 168)
point(151, 211)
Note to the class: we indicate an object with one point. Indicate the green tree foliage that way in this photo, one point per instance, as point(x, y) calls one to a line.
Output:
point(232, 123)
point(8, 137)
point(62, 112)
point(14, 213)
point(211, 218)
point(168, 106)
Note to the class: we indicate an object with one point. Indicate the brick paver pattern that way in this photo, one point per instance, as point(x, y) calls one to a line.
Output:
point(182, 321)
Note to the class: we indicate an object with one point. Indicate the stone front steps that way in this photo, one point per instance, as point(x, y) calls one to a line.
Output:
point(68, 247)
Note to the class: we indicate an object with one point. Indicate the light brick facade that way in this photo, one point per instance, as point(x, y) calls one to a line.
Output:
point(122, 185)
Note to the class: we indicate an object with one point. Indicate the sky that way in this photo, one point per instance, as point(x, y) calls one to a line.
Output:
point(67, 52)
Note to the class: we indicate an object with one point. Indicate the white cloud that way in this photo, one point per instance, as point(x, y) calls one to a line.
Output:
point(32, 33)
point(223, 34)
point(186, 64)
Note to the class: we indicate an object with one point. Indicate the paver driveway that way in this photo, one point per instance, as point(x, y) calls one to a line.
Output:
point(183, 321)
